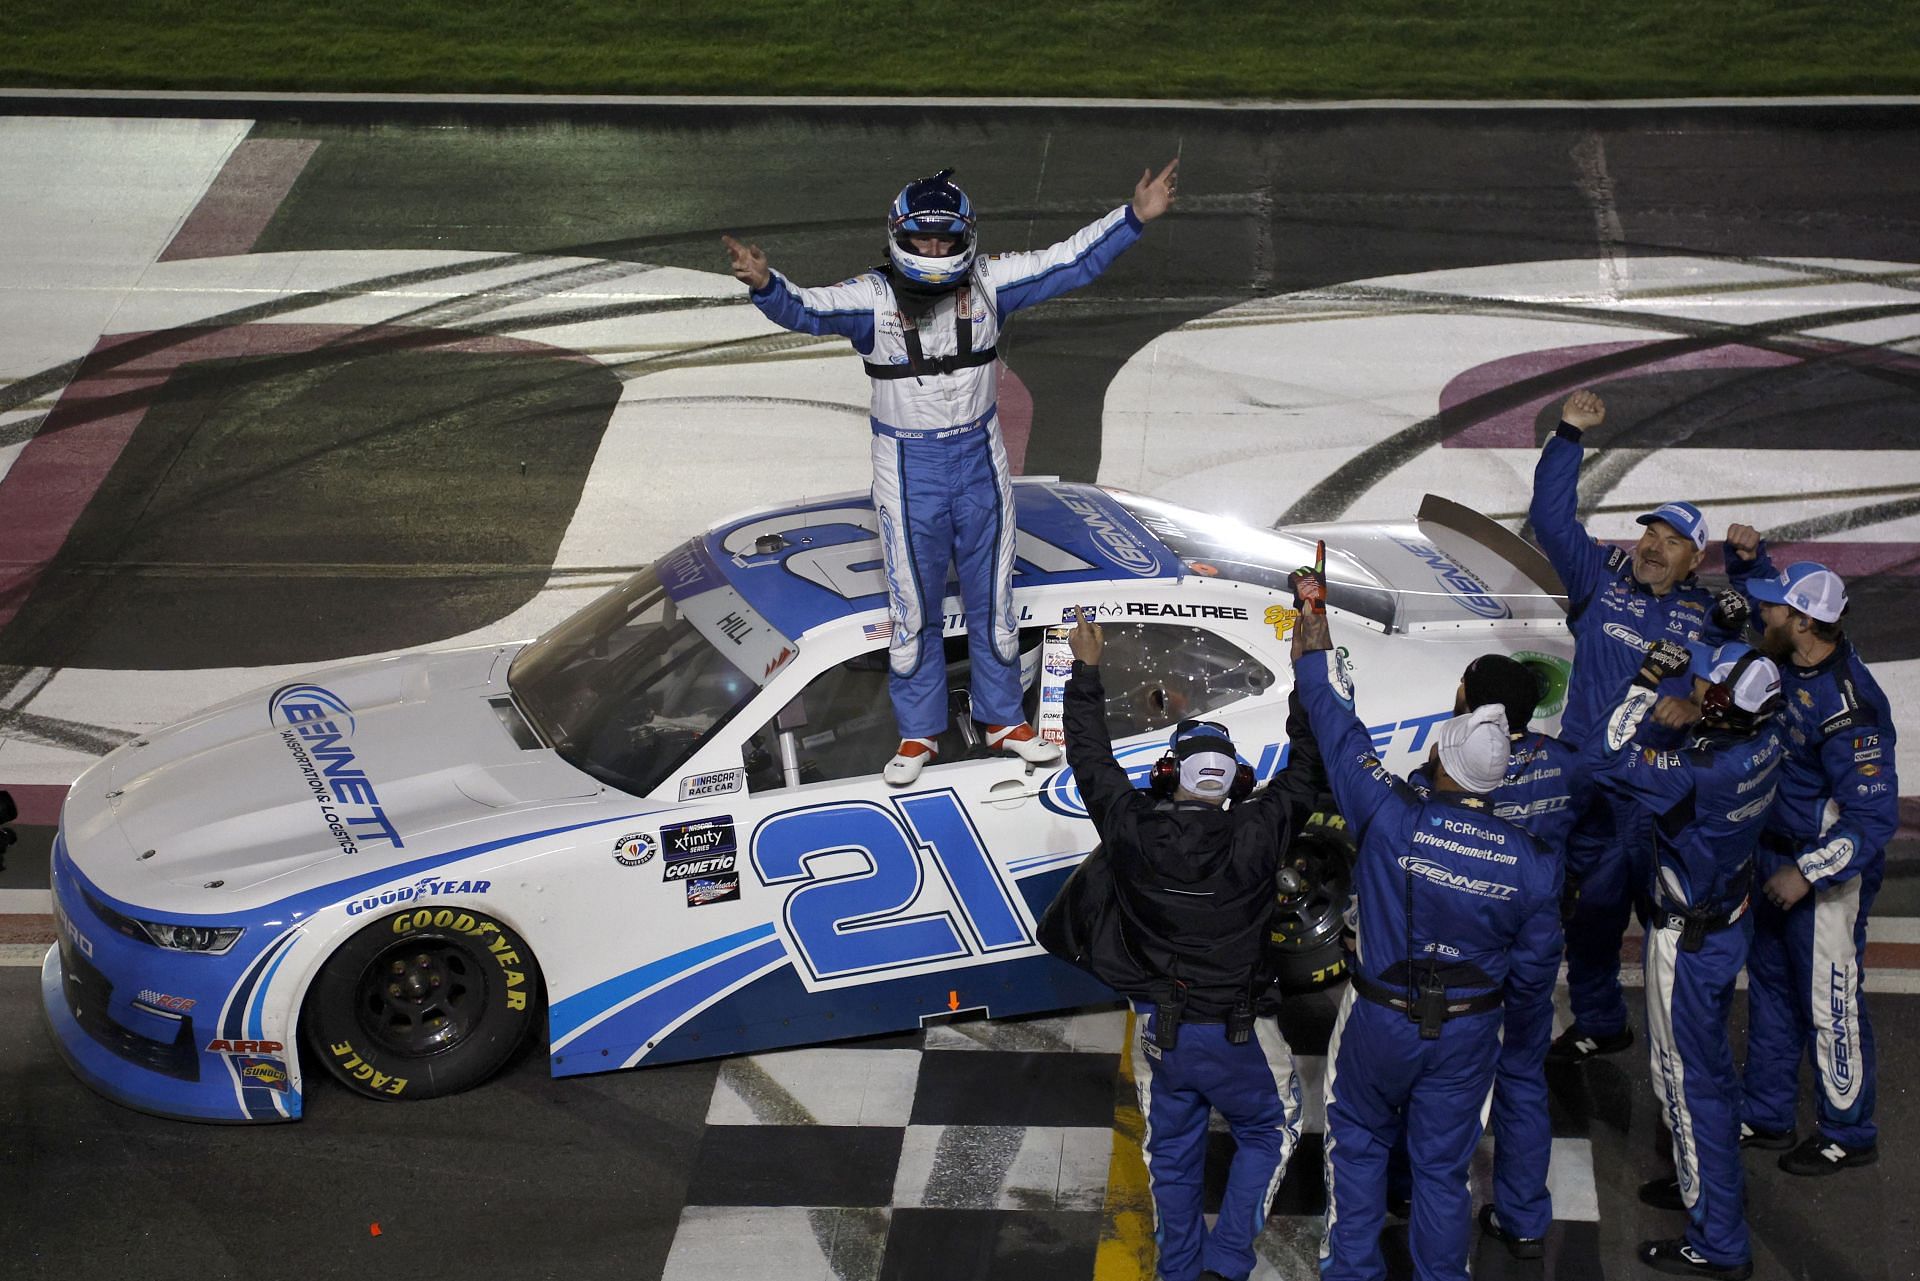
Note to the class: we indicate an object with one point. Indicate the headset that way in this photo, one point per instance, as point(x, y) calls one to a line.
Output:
point(1717, 707)
point(1164, 778)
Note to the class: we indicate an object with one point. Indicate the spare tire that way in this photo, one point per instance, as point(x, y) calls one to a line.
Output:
point(1304, 945)
point(423, 1003)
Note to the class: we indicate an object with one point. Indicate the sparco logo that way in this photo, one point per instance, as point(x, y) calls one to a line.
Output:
point(1112, 539)
point(1435, 874)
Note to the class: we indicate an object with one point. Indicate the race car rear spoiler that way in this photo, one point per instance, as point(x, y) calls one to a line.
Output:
point(1496, 538)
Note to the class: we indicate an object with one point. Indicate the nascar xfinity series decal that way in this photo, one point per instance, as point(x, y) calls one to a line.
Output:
point(704, 847)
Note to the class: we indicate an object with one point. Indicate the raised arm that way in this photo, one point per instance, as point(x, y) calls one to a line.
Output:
point(845, 309)
point(1104, 786)
point(1024, 279)
point(1553, 513)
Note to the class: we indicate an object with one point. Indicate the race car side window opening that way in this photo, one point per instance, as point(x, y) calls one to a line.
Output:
point(627, 689)
point(842, 725)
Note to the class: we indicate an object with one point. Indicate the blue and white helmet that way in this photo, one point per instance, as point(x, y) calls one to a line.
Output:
point(931, 207)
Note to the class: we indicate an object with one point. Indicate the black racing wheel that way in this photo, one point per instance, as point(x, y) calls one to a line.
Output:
point(426, 1002)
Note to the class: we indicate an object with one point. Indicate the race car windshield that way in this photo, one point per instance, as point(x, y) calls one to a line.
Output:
point(627, 689)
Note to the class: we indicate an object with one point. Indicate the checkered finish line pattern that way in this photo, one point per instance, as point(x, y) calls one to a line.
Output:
point(999, 1150)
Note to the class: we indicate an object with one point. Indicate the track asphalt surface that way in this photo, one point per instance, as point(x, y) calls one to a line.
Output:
point(210, 544)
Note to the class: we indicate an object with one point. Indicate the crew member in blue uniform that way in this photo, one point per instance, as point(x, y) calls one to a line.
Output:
point(1193, 862)
point(1708, 800)
point(1619, 604)
point(1821, 860)
point(1456, 908)
point(927, 321)
point(1542, 775)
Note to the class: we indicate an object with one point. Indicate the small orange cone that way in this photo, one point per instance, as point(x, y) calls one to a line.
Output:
point(373, 1230)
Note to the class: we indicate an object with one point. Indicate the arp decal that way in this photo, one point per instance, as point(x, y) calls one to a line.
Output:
point(245, 1047)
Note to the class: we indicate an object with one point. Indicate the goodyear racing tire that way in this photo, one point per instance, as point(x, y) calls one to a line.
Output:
point(1305, 947)
point(425, 1002)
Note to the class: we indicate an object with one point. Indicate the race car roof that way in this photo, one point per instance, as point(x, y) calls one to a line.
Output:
point(799, 567)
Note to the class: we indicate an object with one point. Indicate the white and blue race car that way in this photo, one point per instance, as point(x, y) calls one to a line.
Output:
point(661, 827)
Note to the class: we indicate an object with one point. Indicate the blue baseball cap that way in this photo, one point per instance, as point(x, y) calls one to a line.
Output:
point(1805, 585)
point(1684, 517)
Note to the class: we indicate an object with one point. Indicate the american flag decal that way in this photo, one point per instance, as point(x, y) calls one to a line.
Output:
point(878, 631)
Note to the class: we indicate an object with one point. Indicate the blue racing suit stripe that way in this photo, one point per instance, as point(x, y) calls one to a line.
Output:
point(1255, 1088)
point(816, 311)
point(1044, 279)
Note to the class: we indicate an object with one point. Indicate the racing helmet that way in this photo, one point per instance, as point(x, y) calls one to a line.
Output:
point(931, 207)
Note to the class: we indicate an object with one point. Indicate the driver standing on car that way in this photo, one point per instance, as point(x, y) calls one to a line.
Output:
point(1619, 605)
point(927, 321)
point(1193, 864)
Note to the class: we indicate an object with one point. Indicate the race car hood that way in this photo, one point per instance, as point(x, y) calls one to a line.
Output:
point(351, 769)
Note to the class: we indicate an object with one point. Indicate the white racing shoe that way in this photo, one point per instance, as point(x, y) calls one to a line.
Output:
point(913, 756)
point(1022, 742)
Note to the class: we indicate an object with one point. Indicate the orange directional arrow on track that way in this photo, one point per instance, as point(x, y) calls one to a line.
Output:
point(953, 999)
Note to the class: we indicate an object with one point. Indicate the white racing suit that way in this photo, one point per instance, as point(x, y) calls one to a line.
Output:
point(941, 485)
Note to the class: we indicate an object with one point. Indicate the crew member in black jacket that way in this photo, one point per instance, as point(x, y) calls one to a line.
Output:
point(1193, 861)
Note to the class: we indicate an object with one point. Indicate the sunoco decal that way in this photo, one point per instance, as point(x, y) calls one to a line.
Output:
point(349, 805)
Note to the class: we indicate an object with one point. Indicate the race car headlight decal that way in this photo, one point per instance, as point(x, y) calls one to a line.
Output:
point(209, 940)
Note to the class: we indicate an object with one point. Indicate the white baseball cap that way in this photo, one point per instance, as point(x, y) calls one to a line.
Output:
point(1805, 585)
point(1758, 683)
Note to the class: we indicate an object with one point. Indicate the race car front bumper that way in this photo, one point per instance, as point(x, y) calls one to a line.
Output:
point(110, 1003)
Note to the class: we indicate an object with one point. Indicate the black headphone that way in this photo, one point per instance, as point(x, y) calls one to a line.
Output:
point(1164, 778)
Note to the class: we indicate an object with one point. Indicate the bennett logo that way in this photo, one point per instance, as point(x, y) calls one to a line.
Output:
point(1461, 583)
point(319, 725)
point(1110, 538)
point(700, 838)
point(1627, 636)
point(245, 1047)
point(1839, 988)
point(633, 849)
point(1434, 874)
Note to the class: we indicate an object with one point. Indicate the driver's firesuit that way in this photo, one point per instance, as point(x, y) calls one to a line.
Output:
point(1452, 902)
point(1614, 619)
point(942, 488)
